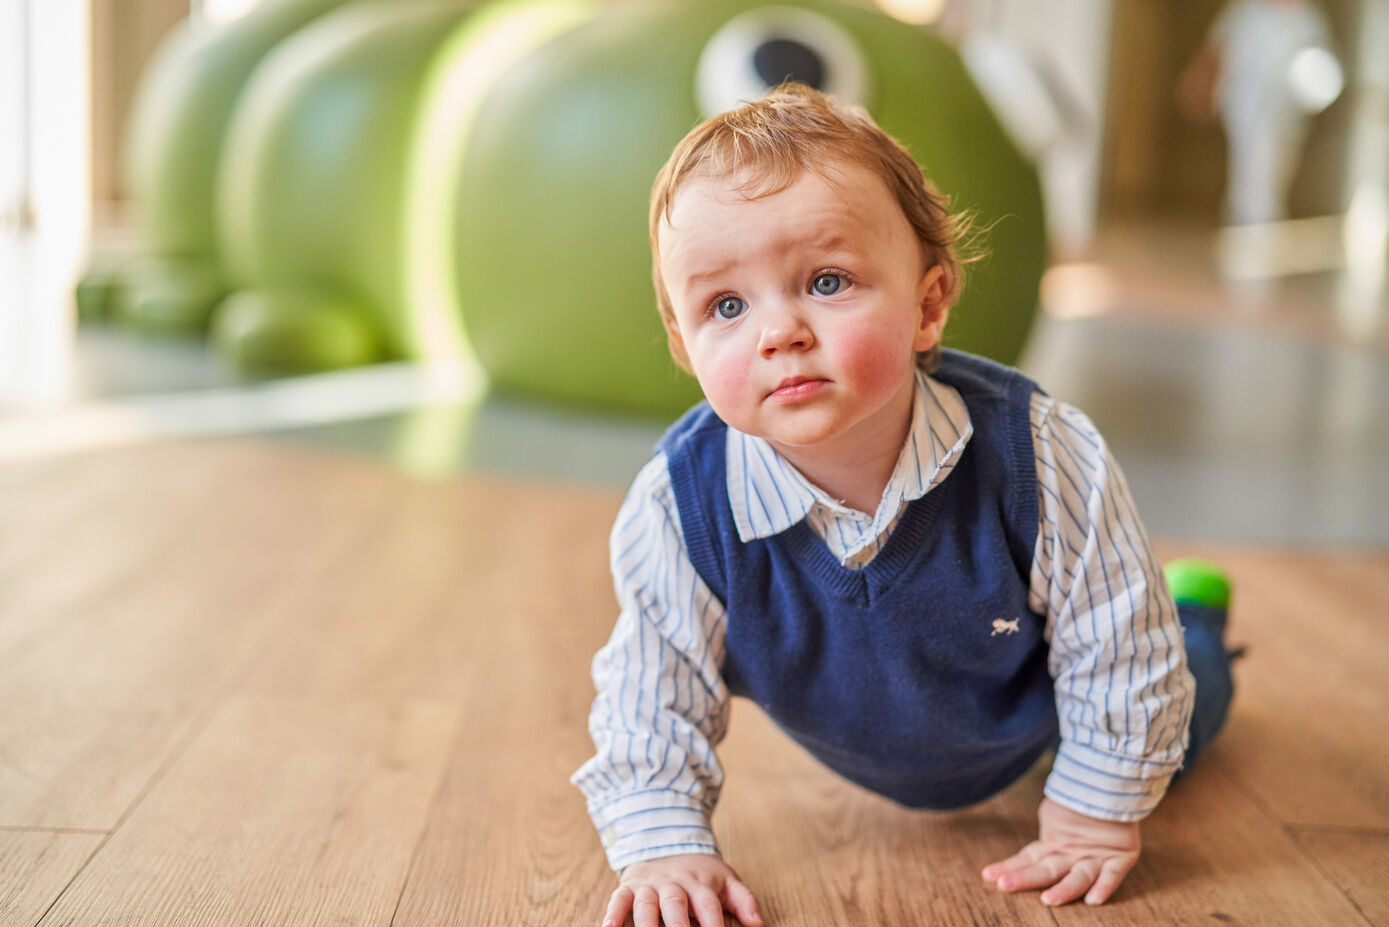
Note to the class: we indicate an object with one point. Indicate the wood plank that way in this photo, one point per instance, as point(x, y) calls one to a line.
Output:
point(79, 516)
point(415, 605)
point(509, 841)
point(1313, 685)
point(1356, 860)
point(114, 672)
point(285, 810)
point(35, 866)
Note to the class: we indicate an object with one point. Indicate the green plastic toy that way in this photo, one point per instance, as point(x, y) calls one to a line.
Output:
point(1199, 582)
point(428, 179)
point(173, 151)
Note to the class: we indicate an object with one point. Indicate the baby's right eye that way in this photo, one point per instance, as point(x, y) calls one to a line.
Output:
point(729, 307)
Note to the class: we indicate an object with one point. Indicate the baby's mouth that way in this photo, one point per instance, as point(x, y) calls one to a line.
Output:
point(794, 389)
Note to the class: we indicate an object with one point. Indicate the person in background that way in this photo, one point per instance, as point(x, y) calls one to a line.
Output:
point(1265, 68)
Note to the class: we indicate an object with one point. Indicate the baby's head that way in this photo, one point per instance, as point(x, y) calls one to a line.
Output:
point(762, 148)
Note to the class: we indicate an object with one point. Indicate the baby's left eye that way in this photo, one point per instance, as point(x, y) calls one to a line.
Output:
point(828, 284)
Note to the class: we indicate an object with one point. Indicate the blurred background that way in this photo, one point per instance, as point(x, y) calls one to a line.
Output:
point(1212, 292)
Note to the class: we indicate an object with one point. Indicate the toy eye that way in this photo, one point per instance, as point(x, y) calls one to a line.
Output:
point(756, 50)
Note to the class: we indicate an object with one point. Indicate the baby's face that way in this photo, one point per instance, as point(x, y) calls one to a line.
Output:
point(802, 312)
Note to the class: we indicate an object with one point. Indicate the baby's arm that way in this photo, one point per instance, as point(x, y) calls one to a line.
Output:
point(1123, 692)
point(661, 708)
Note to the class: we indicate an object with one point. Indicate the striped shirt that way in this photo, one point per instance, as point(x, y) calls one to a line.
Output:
point(1123, 693)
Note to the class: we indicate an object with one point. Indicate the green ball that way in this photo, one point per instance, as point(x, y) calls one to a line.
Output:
point(1200, 582)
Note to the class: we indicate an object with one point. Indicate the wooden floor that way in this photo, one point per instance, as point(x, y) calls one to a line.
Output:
point(243, 683)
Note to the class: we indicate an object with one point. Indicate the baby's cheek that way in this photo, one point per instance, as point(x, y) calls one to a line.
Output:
point(874, 362)
point(726, 384)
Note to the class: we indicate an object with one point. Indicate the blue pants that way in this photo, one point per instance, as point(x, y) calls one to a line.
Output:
point(1209, 662)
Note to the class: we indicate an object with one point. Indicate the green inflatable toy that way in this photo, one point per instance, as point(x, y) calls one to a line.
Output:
point(173, 149)
point(433, 180)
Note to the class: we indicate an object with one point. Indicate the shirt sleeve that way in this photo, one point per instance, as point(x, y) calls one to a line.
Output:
point(661, 706)
point(1123, 691)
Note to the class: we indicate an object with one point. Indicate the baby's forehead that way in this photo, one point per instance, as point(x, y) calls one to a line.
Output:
point(721, 214)
point(849, 187)
point(758, 181)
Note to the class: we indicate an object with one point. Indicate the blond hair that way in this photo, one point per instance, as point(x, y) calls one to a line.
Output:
point(768, 144)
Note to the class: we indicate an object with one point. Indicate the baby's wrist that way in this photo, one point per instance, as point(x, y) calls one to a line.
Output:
point(669, 867)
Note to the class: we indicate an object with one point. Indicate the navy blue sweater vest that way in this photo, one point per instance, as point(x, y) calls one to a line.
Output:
point(922, 677)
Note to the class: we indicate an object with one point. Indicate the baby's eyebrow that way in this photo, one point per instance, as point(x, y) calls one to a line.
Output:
point(833, 242)
point(827, 241)
point(708, 276)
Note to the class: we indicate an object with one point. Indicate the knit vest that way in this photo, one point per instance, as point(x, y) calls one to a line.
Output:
point(923, 676)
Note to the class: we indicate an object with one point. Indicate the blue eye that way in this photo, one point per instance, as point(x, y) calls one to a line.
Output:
point(730, 307)
point(828, 284)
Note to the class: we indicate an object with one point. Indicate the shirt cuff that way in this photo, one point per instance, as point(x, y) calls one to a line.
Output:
point(650, 824)
point(1102, 785)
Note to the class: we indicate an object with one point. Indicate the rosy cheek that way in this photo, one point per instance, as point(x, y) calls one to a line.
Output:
point(730, 380)
point(871, 360)
point(725, 378)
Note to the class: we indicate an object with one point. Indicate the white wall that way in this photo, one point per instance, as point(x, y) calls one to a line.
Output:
point(40, 264)
point(61, 99)
point(13, 182)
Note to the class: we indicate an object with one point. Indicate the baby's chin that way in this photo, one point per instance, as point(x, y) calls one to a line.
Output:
point(787, 434)
point(812, 437)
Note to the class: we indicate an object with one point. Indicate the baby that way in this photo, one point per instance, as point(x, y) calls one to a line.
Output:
point(923, 568)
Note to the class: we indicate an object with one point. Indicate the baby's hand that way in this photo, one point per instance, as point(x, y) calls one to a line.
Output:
point(1074, 854)
point(675, 885)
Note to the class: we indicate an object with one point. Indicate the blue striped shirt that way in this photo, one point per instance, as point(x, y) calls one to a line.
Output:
point(1123, 693)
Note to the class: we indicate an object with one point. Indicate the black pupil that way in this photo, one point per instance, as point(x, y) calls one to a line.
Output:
point(728, 307)
point(777, 60)
point(827, 283)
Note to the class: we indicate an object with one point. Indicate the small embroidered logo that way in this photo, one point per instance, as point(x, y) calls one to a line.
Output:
point(1004, 627)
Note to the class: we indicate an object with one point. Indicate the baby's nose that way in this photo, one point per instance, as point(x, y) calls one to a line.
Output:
point(785, 331)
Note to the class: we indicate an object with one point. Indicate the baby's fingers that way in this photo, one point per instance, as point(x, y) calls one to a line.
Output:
point(1037, 870)
point(1019, 861)
point(707, 908)
point(673, 907)
point(1111, 874)
point(739, 899)
point(618, 906)
point(646, 908)
point(1080, 878)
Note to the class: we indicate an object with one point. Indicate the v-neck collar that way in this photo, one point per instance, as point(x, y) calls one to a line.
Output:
point(768, 495)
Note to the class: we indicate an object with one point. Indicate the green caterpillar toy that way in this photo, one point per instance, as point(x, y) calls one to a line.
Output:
point(323, 184)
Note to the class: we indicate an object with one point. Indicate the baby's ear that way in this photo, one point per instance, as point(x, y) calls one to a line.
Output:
point(934, 309)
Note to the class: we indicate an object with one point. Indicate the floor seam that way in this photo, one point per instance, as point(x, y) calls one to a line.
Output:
point(37, 829)
point(1348, 829)
point(1311, 858)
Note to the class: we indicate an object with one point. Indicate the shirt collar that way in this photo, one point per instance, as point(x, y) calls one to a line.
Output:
point(769, 495)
